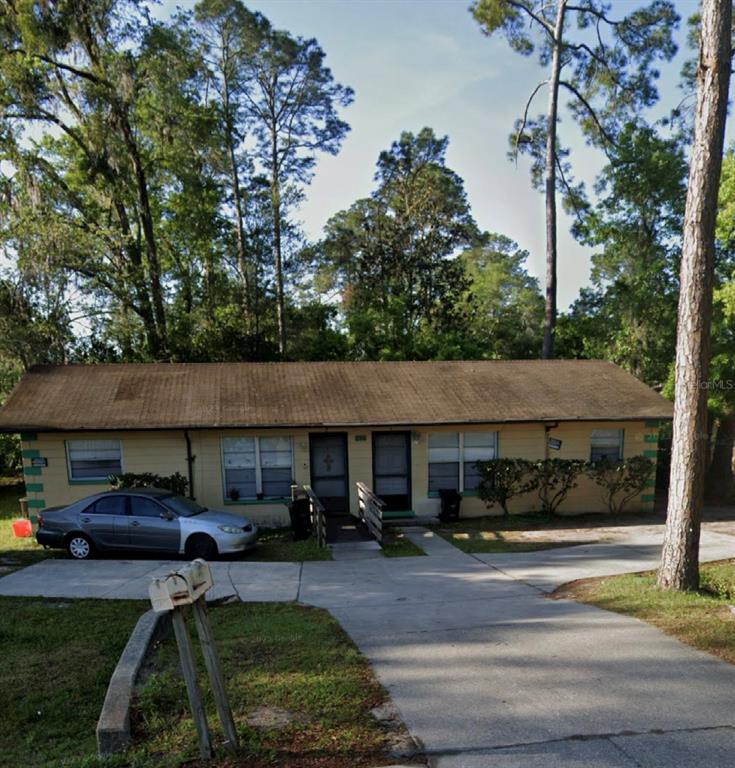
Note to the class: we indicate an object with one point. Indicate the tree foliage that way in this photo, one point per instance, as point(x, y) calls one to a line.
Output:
point(390, 255)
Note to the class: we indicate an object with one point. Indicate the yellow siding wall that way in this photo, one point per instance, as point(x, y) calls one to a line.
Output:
point(165, 453)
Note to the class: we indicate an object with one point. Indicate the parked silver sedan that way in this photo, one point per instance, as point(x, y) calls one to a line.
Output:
point(144, 519)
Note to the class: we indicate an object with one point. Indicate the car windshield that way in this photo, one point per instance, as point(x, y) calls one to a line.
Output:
point(183, 506)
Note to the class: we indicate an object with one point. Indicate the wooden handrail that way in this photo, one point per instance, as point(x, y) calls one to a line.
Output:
point(318, 516)
point(371, 510)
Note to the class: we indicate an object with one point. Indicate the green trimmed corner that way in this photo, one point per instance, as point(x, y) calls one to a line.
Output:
point(30, 453)
point(646, 497)
point(34, 487)
point(649, 453)
point(28, 437)
point(650, 438)
point(36, 504)
point(32, 471)
point(653, 423)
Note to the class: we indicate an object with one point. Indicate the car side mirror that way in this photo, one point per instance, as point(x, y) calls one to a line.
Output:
point(167, 515)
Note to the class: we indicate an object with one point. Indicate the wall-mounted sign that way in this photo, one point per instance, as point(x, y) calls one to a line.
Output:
point(39, 461)
point(554, 443)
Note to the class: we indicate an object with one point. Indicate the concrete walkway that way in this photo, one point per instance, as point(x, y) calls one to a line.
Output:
point(484, 669)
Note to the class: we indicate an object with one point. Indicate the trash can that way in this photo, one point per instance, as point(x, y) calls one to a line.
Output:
point(23, 507)
point(300, 515)
point(450, 501)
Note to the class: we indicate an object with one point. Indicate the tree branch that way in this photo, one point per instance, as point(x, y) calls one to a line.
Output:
point(589, 109)
point(525, 117)
point(538, 19)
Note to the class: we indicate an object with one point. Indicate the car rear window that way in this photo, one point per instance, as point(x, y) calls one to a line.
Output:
point(109, 505)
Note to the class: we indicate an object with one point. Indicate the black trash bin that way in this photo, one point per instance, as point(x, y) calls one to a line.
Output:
point(300, 515)
point(450, 501)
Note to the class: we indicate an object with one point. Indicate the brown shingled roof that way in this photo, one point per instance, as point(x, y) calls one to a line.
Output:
point(166, 396)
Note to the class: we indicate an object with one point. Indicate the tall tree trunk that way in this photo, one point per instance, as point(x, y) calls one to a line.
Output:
point(680, 556)
point(550, 184)
point(720, 481)
point(277, 254)
point(146, 217)
point(242, 263)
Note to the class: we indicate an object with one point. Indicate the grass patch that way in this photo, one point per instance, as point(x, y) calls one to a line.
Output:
point(395, 544)
point(58, 656)
point(278, 545)
point(701, 618)
point(16, 553)
point(300, 692)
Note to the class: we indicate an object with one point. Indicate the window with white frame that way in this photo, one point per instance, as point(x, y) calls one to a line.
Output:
point(606, 445)
point(257, 467)
point(476, 446)
point(93, 459)
point(453, 455)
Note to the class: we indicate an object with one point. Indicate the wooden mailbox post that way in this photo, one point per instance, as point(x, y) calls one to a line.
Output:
point(171, 593)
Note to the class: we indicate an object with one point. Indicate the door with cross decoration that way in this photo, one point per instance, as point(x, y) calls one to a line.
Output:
point(328, 459)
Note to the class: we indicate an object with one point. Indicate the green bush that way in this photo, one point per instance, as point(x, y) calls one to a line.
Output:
point(175, 483)
point(552, 479)
point(621, 481)
point(10, 461)
point(502, 479)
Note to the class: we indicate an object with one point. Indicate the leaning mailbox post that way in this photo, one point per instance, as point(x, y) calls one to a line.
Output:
point(172, 593)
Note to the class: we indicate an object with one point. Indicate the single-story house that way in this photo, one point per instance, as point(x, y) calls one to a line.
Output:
point(244, 432)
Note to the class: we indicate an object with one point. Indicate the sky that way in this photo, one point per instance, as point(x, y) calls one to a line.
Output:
point(416, 63)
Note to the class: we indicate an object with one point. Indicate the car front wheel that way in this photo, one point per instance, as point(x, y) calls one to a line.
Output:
point(201, 545)
point(79, 547)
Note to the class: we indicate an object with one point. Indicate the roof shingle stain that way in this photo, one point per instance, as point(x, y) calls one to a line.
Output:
point(168, 396)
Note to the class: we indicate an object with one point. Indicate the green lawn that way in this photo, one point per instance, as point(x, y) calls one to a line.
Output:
point(57, 658)
point(701, 619)
point(16, 553)
point(300, 692)
point(277, 545)
point(395, 544)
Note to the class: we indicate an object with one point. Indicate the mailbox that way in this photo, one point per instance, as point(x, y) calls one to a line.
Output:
point(181, 587)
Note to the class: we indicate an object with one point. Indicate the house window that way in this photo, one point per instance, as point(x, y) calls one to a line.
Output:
point(443, 461)
point(257, 467)
point(606, 445)
point(453, 455)
point(93, 459)
point(477, 446)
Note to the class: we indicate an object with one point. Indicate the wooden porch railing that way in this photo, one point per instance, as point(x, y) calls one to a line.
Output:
point(318, 516)
point(371, 510)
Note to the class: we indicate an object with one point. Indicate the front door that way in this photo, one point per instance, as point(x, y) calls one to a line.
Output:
point(392, 469)
point(328, 456)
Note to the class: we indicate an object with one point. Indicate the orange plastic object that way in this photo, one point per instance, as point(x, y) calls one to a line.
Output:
point(22, 529)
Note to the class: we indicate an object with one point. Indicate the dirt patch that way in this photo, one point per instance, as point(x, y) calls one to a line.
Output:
point(272, 717)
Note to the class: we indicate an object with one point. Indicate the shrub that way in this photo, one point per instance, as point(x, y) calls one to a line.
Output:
point(621, 481)
point(553, 479)
point(10, 461)
point(502, 479)
point(175, 483)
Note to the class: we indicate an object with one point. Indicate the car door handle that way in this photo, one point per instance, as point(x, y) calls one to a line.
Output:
point(85, 520)
point(135, 523)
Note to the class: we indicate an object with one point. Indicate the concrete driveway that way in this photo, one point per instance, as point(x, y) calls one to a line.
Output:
point(485, 670)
